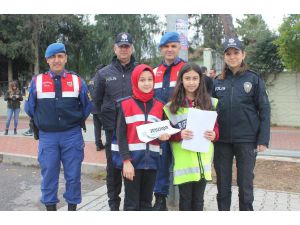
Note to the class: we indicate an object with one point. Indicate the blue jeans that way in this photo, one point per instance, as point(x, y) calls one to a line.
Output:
point(16, 113)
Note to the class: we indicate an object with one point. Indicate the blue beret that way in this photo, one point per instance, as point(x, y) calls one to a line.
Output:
point(54, 49)
point(169, 37)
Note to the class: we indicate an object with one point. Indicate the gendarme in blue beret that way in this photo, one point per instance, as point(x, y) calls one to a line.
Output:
point(169, 37)
point(54, 49)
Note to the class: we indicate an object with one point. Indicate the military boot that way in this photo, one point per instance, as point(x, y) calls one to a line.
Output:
point(51, 207)
point(72, 207)
point(160, 203)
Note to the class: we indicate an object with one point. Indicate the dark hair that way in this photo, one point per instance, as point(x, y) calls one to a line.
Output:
point(242, 69)
point(203, 69)
point(202, 98)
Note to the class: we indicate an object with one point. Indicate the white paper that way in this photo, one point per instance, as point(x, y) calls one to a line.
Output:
point(199, 121)
point(150, 131)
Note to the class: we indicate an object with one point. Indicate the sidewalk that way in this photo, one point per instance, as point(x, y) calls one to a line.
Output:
point(285, 146)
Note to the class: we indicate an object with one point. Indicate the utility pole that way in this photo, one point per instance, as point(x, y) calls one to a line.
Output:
point(178, 23)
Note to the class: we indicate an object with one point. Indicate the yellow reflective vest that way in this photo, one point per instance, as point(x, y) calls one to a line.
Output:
point(188, 165)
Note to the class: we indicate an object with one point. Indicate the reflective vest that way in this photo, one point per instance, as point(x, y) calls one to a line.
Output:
point(57, 107)
point(159, 72)
point(143, 155)
point(188, 165)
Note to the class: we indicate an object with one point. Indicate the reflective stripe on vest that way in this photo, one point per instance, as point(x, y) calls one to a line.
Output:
point(141, 118)
point(160, 72)
point(134, 117)
point(137, 147)
point(45, 86)
point(187, 163)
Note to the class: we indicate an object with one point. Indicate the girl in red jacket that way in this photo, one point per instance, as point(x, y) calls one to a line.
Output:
point(138, 161)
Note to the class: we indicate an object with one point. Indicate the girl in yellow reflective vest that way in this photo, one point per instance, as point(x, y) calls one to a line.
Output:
point(191, 169)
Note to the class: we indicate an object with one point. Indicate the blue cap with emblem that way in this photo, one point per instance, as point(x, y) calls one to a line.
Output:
point(54, 49)
point(168, 38)
point(232, 43)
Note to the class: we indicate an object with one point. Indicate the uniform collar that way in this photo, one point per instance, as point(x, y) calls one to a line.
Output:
point(176, 61)
point(62, 74)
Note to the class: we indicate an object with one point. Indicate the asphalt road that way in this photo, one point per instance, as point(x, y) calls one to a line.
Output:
point(20, 188)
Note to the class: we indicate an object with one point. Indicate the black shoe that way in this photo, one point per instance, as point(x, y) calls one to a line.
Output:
point(160, 203)
point(6, 132)
point(100, 148)
point(51, 207)
point(72, 207)
point(15, 131)
point(114, 209)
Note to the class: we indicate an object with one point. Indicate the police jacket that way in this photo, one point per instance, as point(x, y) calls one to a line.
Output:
point(13, 99)
point(58, 102)
point(133, 113)
point(112, 83)
point(165, 79)
point(243, 109)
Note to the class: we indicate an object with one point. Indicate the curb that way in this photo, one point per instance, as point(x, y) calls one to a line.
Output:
point(25, 160)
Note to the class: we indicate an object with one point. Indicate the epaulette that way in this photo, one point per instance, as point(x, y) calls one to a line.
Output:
point(254, 72)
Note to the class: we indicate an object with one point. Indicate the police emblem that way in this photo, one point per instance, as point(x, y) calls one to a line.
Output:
point(124, 37)
point(231, 40)
point(70, 83)
point(247, 87)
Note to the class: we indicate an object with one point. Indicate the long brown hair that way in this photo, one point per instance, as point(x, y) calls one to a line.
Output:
point(11, 85)
point(202, 98)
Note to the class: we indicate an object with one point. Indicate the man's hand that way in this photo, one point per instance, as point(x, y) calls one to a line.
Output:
point(261, 148)
point(128, 170)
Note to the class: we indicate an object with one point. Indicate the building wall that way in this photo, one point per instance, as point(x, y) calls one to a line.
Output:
point(284, 95)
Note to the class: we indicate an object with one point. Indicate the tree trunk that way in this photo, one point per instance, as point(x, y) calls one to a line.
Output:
point(35, 44)
point(229, 30)
point(10, 70)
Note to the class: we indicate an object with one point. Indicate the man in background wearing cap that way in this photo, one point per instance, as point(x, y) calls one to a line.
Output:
point(112, 83)
point(165, 80)
point(58, 103)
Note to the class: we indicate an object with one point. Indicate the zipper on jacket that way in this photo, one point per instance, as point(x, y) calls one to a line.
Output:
point(123, 85)
point(147, 152)
point(231, 100)
point(200, 166)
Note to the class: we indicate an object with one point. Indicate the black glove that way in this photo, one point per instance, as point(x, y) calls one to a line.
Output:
point(35, 130)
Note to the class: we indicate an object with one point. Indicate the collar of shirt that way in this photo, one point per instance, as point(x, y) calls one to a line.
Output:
point(63, 74)
point(176, 61)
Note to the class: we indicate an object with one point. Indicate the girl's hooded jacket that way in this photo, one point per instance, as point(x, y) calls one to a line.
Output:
point(141, 108)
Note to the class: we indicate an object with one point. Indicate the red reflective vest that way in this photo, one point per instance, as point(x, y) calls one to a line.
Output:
point(143, 155)
point(57, 109)
point(160, 72)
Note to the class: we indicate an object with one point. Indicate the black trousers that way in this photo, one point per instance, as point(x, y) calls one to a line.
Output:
point(139, 192)
point(97, 130)
point(113, 176)
point(191, 196)
point(245, 155)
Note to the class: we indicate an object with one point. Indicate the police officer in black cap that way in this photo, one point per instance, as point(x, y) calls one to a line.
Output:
point(244, 123)
point(112, 83)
